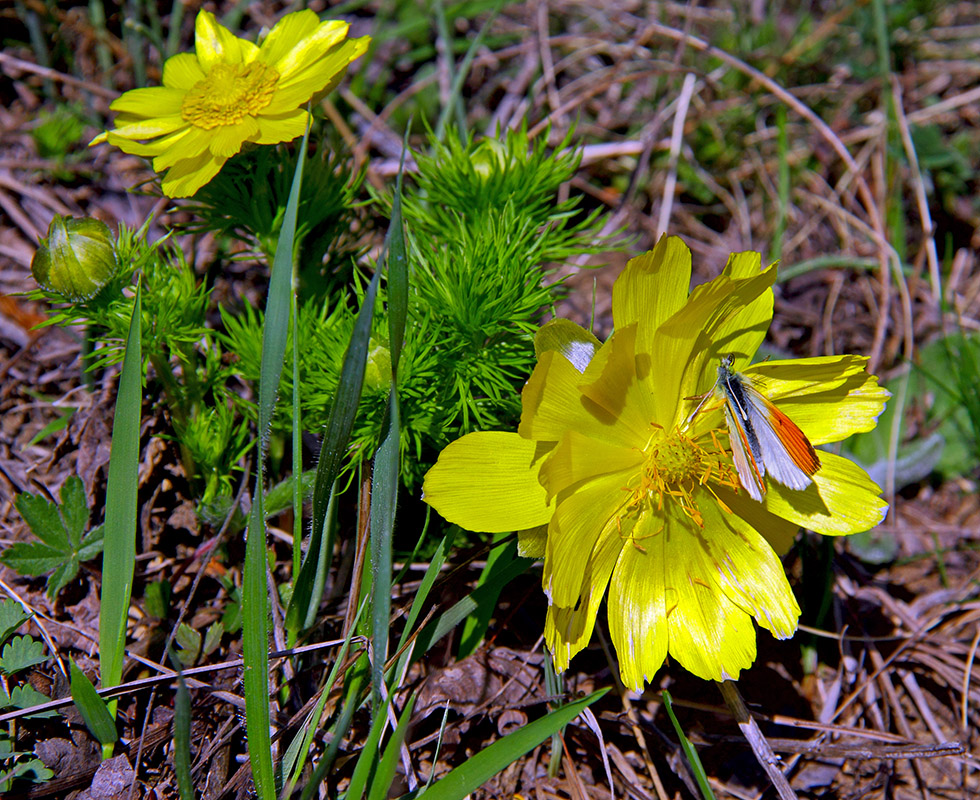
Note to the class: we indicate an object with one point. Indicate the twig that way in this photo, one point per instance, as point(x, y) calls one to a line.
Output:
point(12, 62)
point(925, 218)
point(967, 671)
point(167, 676)
point(750, 729)
point(676, 139)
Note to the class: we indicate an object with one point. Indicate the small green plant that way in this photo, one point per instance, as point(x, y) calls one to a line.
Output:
point(63, 541)
point(485, 228)
point(89, 280)
point(56, 136)
point(19, 653)
point(949, 384)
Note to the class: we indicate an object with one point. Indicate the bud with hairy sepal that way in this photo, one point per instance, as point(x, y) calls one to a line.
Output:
point(76, 259)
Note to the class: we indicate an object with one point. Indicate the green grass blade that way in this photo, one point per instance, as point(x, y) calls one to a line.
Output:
point(690, 753)
point(297, 444)
point(425, 586)
point(456, 90)
point(119, 556)
point(385, 774)
point(476, 624)
point(384, 497)
point(554, 686)
point(255, 600)
point(385, 475)
point(351, 704)
point(483, 596)
point(293, 763)
point(397, 271)
point(182, 738)
point(303, 604)
point(367, 762)
point(783, 185)
point(456, 100)
point(93, 709)
point(488, 762)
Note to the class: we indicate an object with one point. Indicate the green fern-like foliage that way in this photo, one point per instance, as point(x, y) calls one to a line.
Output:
point(485, 228)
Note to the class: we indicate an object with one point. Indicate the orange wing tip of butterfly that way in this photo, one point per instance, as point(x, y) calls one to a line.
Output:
point(794, 440)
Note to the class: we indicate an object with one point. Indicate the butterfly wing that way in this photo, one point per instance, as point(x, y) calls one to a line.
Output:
point(787, 454)
point(750, 472)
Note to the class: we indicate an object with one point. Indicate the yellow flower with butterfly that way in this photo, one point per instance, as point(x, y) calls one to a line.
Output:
point(664, 470)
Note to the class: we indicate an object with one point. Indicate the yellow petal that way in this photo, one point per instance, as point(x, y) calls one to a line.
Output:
point(553, 403)
point(579, 458)
point(741, 333)
point(148, 128)
point(185, 177)
point(226, 140)
point(249, 50)
point(283, 128)
point(531, 543)
point(685, 350)
point(746, 264)
point(614, 390)
point(152, 102)
point(748, 571)
point(572, 341)
point(286, 33)
point(708, 634)
point(779, 532)
point(488, 481)
point(148, 150)
point(569, 628)
point(585, 521)
point(842, 499)
point(638, 602)
point(311, 78)
point(189, 143)
point(308, 49)
point(654, 285)
point(829, 397)
point(214, 43)
point(182, 71)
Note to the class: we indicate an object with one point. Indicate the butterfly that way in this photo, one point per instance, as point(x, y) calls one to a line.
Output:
point(764, 440)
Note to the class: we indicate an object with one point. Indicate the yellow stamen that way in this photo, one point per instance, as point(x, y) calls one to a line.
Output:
point(677, 465)
point(229, 93)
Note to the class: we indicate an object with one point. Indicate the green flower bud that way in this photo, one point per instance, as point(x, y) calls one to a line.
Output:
point(377, 370)
point(77, 259)
point(488, 157)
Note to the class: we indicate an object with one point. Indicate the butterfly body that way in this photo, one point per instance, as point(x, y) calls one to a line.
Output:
point(764, 440)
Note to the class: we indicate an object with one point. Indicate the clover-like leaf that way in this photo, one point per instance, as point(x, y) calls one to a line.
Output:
point(26, 696)
point(20, 653)
point(61, 545)
point(32, 770)
point(12, 616)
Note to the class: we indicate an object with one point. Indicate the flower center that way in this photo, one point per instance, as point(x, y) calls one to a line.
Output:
point(228, 94)
point(676, 465)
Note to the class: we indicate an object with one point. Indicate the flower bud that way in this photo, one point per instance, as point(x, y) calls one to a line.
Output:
point(377, 370)
point(77, 259)
point(488, 157)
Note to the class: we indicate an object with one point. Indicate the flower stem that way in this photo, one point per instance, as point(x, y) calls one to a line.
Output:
point(760, 746)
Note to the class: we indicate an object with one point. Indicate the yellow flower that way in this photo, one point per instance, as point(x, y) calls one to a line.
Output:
point(229, 92)
point(620, 481)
